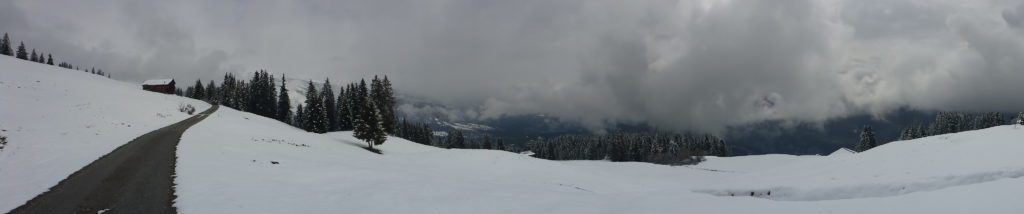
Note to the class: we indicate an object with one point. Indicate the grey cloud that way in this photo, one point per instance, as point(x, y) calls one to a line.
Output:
point(1015, 16)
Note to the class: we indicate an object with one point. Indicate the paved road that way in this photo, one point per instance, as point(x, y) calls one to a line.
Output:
point(135, 178)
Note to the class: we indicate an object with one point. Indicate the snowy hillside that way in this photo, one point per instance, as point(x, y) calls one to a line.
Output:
point(236, 162)
point(58, 120)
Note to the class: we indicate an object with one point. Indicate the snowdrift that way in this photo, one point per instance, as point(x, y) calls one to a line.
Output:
point(58, 120)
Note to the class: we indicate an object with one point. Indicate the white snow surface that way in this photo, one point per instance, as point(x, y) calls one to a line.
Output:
point(841, 152)
point(226, 165)
point(58, 120)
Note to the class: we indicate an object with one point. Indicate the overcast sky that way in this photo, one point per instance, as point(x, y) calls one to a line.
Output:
point(676, 64)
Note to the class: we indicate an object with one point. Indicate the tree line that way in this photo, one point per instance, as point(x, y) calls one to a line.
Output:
point(651, 147)
point(944, 123)
point(953, 122)
point(7, 48)
point(456, 139)
point(367, 110)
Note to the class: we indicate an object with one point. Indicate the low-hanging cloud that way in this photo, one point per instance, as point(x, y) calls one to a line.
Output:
point(703, 64)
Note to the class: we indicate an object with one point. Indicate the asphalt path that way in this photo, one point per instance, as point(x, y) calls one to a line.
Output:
point(137, 177)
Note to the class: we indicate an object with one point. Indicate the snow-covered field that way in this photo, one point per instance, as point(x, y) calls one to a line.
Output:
point(227, 165)
point(59, 120)
point(234, 162)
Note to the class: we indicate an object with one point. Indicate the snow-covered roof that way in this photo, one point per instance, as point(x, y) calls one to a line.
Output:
point(158, 82)
point(842, 151)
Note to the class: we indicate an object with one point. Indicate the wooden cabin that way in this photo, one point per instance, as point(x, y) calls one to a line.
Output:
point(165, 86)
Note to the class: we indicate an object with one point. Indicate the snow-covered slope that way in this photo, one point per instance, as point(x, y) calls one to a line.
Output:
point(59, 120)
point(236, 162)
point(893, 169)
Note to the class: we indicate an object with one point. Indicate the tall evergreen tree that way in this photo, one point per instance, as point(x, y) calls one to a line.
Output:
point(33, 57)
point(211, 92)
point(49, 59)
point(262, 97)
point(316, 116)
point(199, 92)
point(5, 46)
point(229, 91)
point(284, 104)
point(369, 126)
point(360, 96)
point(331, 108)
point(344, 109)
point(300, 117)
point(353, 103)
point(244, 95)
point(388, 103)
point(867, 139)
point(22, 52)
point(254, 103)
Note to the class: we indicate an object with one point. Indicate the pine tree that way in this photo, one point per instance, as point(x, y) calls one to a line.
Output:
point(211, 92)
point(22, 53)
point(199, 92)
point(284, 104)
point(300, 117)
point(49, 59)
point(363, 96)
point(316, 116)
point(388, 105)
point(344, 110)
point(243, 95)
point(867, 139)
point(369, 126)
point(331, 108)
point(255, 103)
point(271, 92)
point(5, 46)
point(229, 91)
point(33, 57)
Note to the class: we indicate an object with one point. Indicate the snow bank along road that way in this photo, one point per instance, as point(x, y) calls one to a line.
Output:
point(135, 178)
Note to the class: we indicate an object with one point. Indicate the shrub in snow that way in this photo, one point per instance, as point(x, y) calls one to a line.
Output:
point(187, 108)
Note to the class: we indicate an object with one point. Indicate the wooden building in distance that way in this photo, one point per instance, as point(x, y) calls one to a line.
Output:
point(165, 86)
